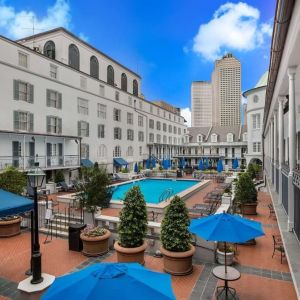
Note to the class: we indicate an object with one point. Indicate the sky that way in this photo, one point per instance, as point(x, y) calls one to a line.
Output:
point(170, 43)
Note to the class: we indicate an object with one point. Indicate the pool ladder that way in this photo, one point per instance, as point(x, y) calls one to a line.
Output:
point(166, 194)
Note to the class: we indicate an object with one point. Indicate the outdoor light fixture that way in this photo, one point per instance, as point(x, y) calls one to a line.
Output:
point(36, 178)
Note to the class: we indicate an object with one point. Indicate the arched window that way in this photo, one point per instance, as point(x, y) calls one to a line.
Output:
point(102, 151)
point(130, 151)
point(214, 138)
point(73, 57)
point(117, 151)
point(110, 75)
point(49, 49)
point(124, 82)
point(94, 67)
point(135, 88)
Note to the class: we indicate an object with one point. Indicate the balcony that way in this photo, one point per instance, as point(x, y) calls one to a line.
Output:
point(45, 162)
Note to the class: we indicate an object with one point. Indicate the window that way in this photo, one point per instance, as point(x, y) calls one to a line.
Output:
point(73, 57)
point(151, 109)
point(101, 131)
point(53, 99)
point(169, 116)
point(141, 150)
point(141, 136)
point(101, 111)
point(130, 134)
point(141, 104)
point(94, 67)
point(23, 60)
point(129, 101)
point(101, 90)
point(179, 130)
point(130, 151)
point(85, 151)
point(158, 125)
point(117, 96)
point(124, 82)
point(257, 147)
point(83, 128)
point(170, 128)
point(256, 121)
point(117, 114)
point(54, 125)
point(23, 91)
point(255, 99)
point(110, 75)
point(49, 49)
point(135, 88)
point(200, 138)
point(151, 138)
point(164, 114)
point(151, 123)
point(158, 111)
point(140, 121)
point(83, 82)
point(158, 138)
point(164, 127)
point(83, 107)
point(23, 121)
point(117, 152)
point(229, 137)
point(214, 138)
point(164, 139)
point(117, 133)
point(102, 151)
point(174, 140)
point(170, 140)
point(175, 130)
point(129, 118)
point(53, 71)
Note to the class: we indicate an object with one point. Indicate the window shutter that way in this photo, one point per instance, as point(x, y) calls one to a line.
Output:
point(48, 98)
point(16, 89)
point(31, 93)
point(30, 117)
point(98, 131)
point(16, 120)
point(59, 125)
point(120, 131)
point(87, 129)
point(79, 128)
point(87, 151)
point(59, 101)
point(48, 119)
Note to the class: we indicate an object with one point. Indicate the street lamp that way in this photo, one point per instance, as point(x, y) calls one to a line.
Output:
point(36, 178)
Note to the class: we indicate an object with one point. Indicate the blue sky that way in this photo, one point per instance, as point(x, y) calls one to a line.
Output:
point(169, 43)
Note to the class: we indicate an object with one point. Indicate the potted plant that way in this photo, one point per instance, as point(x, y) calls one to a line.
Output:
point(226, 196)
point(246, 194)
point(95, 241)
point(132, 228)
point(59, 176)
point(175, 237)
point(10, 226)
point(221, 253)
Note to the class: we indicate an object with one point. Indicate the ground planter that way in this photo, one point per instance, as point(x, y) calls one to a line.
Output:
point(136, 254)
point(95, 246)
point(178, 263)
point(249, 208)
point(221, 257)
point(10, 228)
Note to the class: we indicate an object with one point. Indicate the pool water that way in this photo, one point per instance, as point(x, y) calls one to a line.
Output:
point(152, 189)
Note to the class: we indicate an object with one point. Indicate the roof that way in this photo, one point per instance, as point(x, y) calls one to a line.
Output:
point(263, 81)
point(77, 38)
point(13, 204)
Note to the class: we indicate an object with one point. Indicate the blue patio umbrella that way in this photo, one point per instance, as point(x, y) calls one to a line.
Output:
point(148, 164)
point(206, 165)
point(112, 281)
point(200, 165)
point(182, 162)
point(235, 164)
point(136, 168)
point(153, 163)
point(165, 164)
point(220, 166)
point(225, 227)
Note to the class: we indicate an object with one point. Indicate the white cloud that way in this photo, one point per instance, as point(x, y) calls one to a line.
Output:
point(18, 24)
point(234, 26)
point(186, 113)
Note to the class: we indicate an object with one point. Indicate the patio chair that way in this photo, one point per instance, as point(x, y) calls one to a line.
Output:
point(278, 246)
point(271, 210)
point(67, 187)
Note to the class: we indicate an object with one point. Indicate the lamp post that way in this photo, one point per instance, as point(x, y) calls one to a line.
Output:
point(36, 178)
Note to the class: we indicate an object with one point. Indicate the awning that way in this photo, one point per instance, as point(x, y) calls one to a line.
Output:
point(86, 163)
point(120, 162)
point(12, 204)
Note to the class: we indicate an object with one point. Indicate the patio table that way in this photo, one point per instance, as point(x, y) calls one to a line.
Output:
point(231, 275)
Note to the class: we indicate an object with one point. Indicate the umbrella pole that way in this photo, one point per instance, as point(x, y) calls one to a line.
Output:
point(225, 258)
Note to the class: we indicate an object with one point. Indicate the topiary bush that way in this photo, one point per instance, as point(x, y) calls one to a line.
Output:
point(245, 191)
point(13, 181)
point(133, 219)
point(59, 176)
point(175, 235)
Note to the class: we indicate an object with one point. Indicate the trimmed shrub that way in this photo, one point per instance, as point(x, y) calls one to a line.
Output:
point(13, 181)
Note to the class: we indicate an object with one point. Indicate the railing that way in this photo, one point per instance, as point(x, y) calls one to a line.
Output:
point(27, 162)
point(296, 178)
point(285, 169)
point(166, 194)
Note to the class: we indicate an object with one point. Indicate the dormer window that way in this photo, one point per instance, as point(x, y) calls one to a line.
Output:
point(229, 137)
point(199, 138)
point(255, 99)
point(214, 138)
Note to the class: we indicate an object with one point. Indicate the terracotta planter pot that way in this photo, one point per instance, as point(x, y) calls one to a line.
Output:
point(10, 228)
point(131, 254)
point(221, 257)
point(178, 263)
point(249, 208)
point(95, 246)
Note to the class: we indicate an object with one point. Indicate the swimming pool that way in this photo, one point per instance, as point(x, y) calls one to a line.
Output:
point(153, 189)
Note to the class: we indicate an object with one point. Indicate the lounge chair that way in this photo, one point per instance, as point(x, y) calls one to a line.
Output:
point(67, 187)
